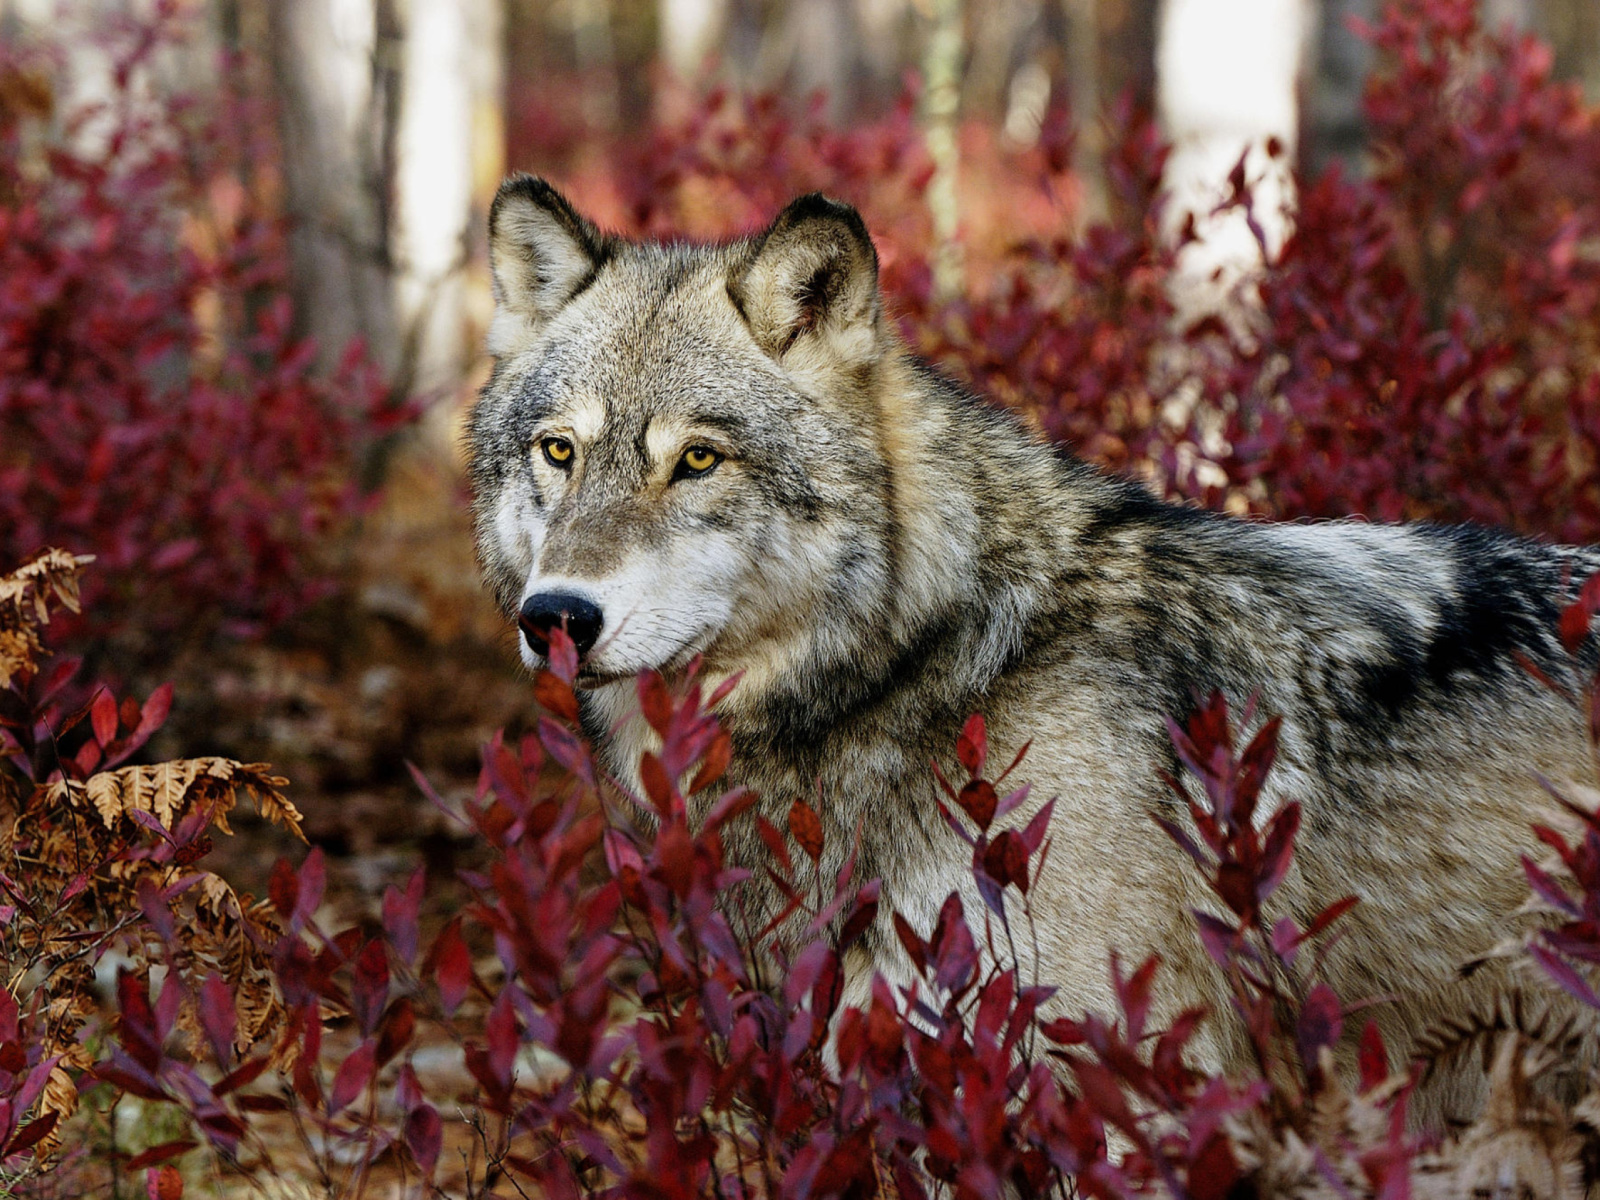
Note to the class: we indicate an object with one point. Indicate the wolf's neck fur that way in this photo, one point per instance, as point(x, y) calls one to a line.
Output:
point(973, 533)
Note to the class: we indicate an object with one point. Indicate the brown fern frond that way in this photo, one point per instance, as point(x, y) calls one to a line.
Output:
point(25, 597)
point(1542, 1022)
point(170, 790)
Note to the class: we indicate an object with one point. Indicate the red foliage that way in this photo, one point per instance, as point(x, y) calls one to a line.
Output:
point(1426, 344)
point(676, 1063)
point(155, 409)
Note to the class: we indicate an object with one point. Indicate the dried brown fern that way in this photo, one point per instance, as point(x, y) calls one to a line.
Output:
point(25, 596)
point(111, 861)
point(1537, 1020)
point(169, 791)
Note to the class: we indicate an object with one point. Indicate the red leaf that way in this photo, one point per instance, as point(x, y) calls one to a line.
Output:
point(915, 947)
point(566, 749)
point(313, 876)
point(1006, 860)
point(1133, 993)
point(159, 1154)
point(1575, 617)
point(730, 805)
point(352, 1078)
point(1329, 915)
point(655, 702)
point(218, 1017)
point(674, 857)
point(1213, 1172)
point(369, 987)
point(1237, 887)
point(1279, 849)
point(452, 966)
point(774, 841)
point(399, 1025)
point(972, 747)
point(1373, 1058)
point(242, 1076)
point(861, 916)
point(501, 1033)
point(562, 655)
point(1565, 976)
point(714, 763)
point(955, 955)
point(806, 829)
point(151, 717)
point(658, 787)
point(1034, 833)
point(87, 759)
point(721, 691)
point(282, 887)
point(164, 1183)
point(103, 717)
point(138, 1020)
point(556, 695)
point(978, 800)
point(1320, 1023)
point(400, 915)
point(30, 1135)
point(1064, 1032)
point(424, 1137)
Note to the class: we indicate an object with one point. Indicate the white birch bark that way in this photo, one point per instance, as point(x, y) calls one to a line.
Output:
point(1227, 72)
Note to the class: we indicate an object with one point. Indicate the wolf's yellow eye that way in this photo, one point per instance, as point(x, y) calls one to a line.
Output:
point(697, 460)
point(557, 451)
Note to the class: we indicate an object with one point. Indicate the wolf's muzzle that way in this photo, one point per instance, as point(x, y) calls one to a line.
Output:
point(544, 611)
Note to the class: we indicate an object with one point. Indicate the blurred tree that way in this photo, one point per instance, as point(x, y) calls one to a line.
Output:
point(1126, 54)
point(1573, 29)
point(1228, 75)
point(389, 118)
point(689, 31)
point(1332, 128)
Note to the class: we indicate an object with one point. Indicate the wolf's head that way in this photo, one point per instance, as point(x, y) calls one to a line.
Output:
point(679, 451)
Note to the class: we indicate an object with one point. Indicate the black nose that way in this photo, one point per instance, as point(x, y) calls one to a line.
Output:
point(544, 611)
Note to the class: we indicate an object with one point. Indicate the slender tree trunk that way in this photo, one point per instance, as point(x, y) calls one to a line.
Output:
point(688, 30)
point(1332, 128)
point(1227, 79)
point(942, 71)
point(336, 95)
point(380, 104)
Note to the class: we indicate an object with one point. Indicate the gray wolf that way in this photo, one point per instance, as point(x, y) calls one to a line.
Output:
point(725, 451)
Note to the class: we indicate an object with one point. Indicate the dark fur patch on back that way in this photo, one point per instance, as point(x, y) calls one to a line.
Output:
point(1503, 606)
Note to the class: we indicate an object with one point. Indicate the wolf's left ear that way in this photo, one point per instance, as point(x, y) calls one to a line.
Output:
point(541, 254)
point(809, 289)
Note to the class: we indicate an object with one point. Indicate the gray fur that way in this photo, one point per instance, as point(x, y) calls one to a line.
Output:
point(882, 554)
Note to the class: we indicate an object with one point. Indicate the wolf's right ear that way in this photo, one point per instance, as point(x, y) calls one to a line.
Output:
point(541, 254)
point(809, 289)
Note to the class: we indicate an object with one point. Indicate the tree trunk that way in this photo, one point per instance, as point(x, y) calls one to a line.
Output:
point(688, 31)
point(1332, 127)
point(337, 81)
point(1227, 77)
point(379, 105)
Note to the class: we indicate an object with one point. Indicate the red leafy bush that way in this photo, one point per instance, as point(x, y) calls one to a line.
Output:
point(632, 1034)
point(1426, 343)
point(622, 1024)
point(155, 409)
